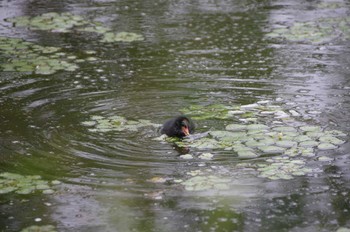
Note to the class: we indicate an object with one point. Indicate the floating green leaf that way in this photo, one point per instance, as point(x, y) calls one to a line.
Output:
point(309, 143)
point(236, 127)
point(326, 146)
point(286, 143)
point(206, 156)
point(122, 37)
point(325, 159)
point(271, 149)
point(211, 182)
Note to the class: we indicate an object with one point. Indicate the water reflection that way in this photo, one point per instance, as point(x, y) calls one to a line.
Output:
point(203, 52)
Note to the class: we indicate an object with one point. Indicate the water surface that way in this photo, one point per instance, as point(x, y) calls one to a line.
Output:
point(193, 53)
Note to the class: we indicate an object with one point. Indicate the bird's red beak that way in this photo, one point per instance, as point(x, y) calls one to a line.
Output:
point(185, 131)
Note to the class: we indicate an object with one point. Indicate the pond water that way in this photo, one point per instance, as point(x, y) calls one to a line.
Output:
point(84, 86)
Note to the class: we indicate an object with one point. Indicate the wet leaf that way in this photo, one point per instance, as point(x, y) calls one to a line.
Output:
point(326, 146)
point(271, 149)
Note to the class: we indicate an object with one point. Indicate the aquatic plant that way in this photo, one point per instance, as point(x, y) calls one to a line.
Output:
point(288, 140)
point(68, 22)
point(322, 30)
point(116, 123)
point(25, 184)
point(24, 56)
point(206, 182)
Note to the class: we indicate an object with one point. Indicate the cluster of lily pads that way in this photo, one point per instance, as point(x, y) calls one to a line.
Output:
point(282, 167)
point(67, 22)
point(49, 21)
point(249, 138)
point(24, 184)
point(24, 56)
point(116, 123)
point(262, 129)
point(246, 113)
point(319, 31)
point(254, 140)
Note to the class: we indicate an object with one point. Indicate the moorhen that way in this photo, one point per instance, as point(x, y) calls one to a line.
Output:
point(180, 127)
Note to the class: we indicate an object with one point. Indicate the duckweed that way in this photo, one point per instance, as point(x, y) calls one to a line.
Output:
point(20, 184)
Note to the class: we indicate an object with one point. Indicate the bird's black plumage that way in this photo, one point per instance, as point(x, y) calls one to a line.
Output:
point(180, 127)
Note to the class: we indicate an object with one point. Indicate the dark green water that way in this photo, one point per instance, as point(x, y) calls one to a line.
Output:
point(193, 52)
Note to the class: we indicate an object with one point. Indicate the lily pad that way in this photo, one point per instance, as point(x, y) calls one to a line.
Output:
point(246, 154)
point(257, 127)
point(302, 138)
point(204, 143)
point(284, 129)
point(286, 143)
point(310, 128)
point(254, 144)
point(331, 139)
point(206, 156)
point(186, 156)
point(326, 146)
point(122, 37)
point(325, 159)
point(309, 143)
point(211, 182)
point(236, 127)
point(271, 149)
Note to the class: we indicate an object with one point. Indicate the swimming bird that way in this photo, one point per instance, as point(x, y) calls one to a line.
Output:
point(180, 127)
